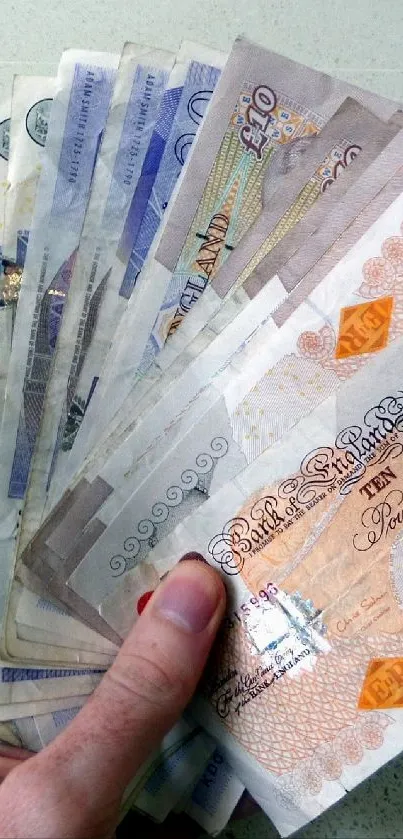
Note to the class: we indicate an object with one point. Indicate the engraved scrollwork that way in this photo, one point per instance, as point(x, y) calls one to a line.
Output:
point(204, 462)
point(219, 446)
point(160, 512)
point(118, 565)
point(317, 471)
point(290, 486)
point(390, 453)
point(189, 478)
point(389, 413)
point(229, 546)
point(131, 545)
point(174, 496)
point(147, 528)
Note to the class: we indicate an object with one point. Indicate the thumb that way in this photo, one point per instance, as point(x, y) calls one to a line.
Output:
point(153, 677)
point(139, 699)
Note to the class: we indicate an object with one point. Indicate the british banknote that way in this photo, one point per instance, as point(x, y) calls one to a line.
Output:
point(40, 621)
point(322, 157)
point(38, 731)
point(193, 81)
point(30, 112)
point(290, 260)
point(78, 114)
point(136, 100)
point(182, 755)
point(178, 761)
point(351, 596)
point(36, 645)
point(360, 200)
point(146, 445)
point(229, 176)
point(20, 710)
point(24, 684)
point(248, 416)
point(215, 796)
point(57, 440)
point(308, 538)
point(5, 111)
point(256, 118)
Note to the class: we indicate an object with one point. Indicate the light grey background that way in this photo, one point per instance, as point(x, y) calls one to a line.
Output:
point(361, 41)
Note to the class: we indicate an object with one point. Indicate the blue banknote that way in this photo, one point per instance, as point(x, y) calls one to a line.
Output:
point(29, 674)
point(215, 795)
point(100, 235)
point(186, 117)
point(141, 198)
point(38, 731)
point(86, 115)
point(181, 113)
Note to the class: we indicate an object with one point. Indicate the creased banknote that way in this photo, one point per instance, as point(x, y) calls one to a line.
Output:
point(154, 508)
point(98, 497)
point(264, 103)
point(182, 755)
point(215, 796)
point(41, 621)
point(231, 172)
point(20, 710)
point(361, 195)
point(335, 571)
point(35, 646)
point(38, 731)
point(305, 181)
point(227, 181)
point(19, 685)
point(5, 110)
point(30, 113)
point(193, 83)
point(136, 99)
point(160, 781)
point(308, 536)
point(178, 762)
point(78, 115)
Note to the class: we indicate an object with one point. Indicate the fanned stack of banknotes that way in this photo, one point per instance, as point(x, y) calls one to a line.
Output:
point(201, 349)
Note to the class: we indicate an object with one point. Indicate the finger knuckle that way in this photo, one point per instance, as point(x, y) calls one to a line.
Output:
point(149, 680)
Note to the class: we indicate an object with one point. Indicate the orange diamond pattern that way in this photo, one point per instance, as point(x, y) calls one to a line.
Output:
point(364, 328)
point(383, 685)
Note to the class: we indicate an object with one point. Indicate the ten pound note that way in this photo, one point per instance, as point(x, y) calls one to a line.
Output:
point(309, 537)
point(233, 171)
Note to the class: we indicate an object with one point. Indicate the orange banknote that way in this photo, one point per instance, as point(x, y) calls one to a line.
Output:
point(310, 538)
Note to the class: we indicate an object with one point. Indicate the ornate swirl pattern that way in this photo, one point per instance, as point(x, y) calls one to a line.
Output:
point(191, 479)
point(228, 548)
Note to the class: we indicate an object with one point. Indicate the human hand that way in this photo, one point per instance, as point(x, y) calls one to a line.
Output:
point(73, 787)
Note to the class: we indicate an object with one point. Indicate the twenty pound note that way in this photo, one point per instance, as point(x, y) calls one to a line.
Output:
point(137, 95)
point(78, 115)
point(193, 80)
